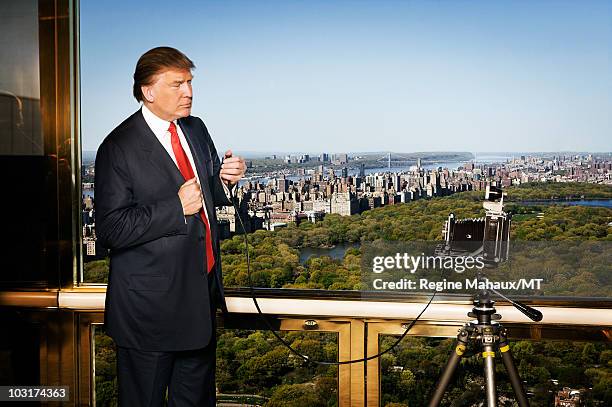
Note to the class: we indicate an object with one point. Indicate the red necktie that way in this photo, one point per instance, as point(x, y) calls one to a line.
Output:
point(187, 171)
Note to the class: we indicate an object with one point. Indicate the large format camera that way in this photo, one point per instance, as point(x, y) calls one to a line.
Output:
point(488, 237)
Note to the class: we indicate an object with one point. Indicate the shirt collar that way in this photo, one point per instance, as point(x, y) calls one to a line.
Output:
point(158, 126)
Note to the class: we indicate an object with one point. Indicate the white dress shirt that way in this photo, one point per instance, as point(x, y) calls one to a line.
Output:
point(160, 129)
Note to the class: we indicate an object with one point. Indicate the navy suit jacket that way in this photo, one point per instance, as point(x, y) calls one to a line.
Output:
point(159, 295)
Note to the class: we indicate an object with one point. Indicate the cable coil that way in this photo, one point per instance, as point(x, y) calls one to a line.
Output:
point(306, 358)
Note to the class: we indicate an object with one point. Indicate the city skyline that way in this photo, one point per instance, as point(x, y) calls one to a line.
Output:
point(485, 154)
point(369, 76)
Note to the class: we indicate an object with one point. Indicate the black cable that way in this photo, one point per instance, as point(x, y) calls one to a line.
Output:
point(288, 346)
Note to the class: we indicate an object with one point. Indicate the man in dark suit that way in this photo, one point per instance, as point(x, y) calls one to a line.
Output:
point(158, 181)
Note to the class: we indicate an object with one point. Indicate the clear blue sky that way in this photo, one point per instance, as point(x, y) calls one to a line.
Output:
point(366, 75)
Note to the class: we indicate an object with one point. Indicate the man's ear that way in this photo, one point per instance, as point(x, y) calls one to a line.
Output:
point(148, 93)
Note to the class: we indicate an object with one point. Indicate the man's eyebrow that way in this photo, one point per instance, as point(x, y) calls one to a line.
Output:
point(181, 80)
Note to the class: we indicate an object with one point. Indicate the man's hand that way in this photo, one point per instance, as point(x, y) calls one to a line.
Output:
point(232, 169)
point(191, 197)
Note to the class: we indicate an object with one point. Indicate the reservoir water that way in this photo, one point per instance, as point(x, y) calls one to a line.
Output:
point(604, 203)
point(336, 252)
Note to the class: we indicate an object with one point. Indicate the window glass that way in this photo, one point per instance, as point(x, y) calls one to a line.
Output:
point(363, 124)
point(23, 166)
point(20, 132)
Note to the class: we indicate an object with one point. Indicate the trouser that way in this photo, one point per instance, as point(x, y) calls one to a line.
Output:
point(188, 376)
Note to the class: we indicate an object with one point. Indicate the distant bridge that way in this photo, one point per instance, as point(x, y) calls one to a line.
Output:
point(395, 160)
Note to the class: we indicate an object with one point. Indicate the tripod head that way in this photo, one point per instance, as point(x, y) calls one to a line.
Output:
point(484, 310)
point(484, 304)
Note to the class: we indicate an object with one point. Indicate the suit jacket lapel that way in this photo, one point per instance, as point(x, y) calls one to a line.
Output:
point(158, 156)
point(194, 145)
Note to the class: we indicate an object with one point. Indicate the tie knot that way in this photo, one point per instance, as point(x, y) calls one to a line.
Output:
point(172, 128)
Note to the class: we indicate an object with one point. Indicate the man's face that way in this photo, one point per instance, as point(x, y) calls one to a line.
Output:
point(169, 97)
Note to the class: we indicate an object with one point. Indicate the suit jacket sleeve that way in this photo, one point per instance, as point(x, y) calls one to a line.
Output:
point(120, 221)
point(218, 190)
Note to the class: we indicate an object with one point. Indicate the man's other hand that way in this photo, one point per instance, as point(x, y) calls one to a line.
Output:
point(232, 169)
point(191, 197)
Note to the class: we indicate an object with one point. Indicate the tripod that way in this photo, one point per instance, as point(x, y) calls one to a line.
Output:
point(488, 335)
